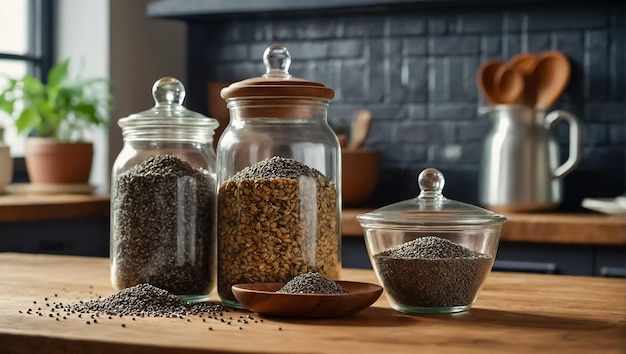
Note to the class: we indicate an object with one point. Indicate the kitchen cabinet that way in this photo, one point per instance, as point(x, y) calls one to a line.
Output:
point(514, 313)
point(55, 224)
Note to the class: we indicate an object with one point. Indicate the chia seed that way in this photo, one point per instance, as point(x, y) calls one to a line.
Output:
point(145, 300)
point(162, 227)
point(432, 272)
point(311, 283)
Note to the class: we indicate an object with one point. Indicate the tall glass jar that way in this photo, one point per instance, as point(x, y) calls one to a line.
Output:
point(163, 197)
point(279, 181)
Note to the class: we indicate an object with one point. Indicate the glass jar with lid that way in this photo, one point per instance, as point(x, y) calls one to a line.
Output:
point(279, 180)
point(163, 197)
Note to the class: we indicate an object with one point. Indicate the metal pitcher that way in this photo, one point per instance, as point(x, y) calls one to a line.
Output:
point(520, 168)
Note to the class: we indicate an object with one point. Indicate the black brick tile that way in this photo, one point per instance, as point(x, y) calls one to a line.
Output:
point(346, 48)
point(617, 88)
point(596, 134)
point(438, 25)
point(377, 79)
point(324, 72)
point(462, 74)
point(455, 45)
point(353, 81)
point(538, 42)
point(416, 46)
point(390, 113)
point(233, 52)
point(404, 155)
point(481, 23)
point(512, 44)
point(512, 22)
point(606, 112)
point(424, 132)
point(364, 26)
point(398, 89)
point(380, 133)
point(617, 134)
point(454, 111)
point(417, 82)
point(567, 19)
point(491, 46)
point(439, 79)
point(597, 66)
point(473, 131)
point(407, 25)
point(418, 111)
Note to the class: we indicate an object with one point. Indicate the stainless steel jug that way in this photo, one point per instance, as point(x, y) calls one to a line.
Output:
point(520, 168)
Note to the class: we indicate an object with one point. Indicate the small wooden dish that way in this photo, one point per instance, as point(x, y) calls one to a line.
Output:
point(263, 299)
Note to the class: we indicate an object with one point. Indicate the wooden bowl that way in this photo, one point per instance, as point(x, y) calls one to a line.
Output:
point(263, 299)
point(359, 175)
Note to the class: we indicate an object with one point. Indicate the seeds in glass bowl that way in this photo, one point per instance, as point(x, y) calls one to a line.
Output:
point(432, 272)
point(276, 219)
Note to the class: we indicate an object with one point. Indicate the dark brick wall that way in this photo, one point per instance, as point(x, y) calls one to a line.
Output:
point(415, 71)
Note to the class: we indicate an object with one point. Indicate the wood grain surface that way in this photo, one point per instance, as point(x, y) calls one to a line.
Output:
point(515, 313)
point(587, 228)
point(27, 207)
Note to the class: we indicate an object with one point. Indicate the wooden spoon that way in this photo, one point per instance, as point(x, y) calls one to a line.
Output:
point(524, 63)
point(360, 129)
point(509, 84)
point(549, 78)
point(485, 79)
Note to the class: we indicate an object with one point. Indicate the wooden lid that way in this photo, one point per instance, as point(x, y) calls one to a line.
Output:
point(276, 82)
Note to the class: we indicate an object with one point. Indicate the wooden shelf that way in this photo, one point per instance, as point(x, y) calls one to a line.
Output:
point(591, 228)
point(29, 207)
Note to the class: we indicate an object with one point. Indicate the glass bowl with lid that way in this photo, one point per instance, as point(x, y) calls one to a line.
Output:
point(430, 253)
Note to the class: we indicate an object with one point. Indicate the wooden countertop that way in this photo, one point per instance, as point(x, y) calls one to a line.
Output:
point(587, 228)
point(29, 207)
point(515, 313)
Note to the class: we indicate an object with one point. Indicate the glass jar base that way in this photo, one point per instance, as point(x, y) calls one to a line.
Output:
point(416, 310)
point(233, 304)
point(194, 298)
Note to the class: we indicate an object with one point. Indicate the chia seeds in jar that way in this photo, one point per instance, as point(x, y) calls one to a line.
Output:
point(162, 199)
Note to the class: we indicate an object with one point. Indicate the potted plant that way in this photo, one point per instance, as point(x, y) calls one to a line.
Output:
point(55, 115)
point(6, 163)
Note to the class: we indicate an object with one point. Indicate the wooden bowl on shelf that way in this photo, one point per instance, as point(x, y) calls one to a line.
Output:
point(359, 175)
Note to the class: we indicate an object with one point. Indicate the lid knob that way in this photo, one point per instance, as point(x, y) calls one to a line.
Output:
point(431, 182)
point(168, 91)
point(277, 61)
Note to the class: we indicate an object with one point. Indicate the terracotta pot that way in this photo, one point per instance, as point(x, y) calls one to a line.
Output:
point(359, 176)
point(52, 162)
point(6, 167)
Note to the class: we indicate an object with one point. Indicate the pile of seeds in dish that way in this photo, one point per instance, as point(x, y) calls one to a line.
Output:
point(276, 219)
point(162, 227)
point(432, 272)
point(311, 283)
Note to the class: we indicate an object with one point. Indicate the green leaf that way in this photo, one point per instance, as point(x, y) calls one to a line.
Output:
point(32, 86)
point(28, 119)
point(6, 105)
point(58, 73)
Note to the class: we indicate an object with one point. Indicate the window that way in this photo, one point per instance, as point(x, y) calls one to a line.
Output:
point(25, 48)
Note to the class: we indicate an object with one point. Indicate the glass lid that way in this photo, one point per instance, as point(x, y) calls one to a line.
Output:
point(168, 94)
point(429, 208)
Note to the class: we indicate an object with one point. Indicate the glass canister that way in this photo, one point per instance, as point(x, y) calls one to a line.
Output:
point(279, 180)
point(163, 198)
